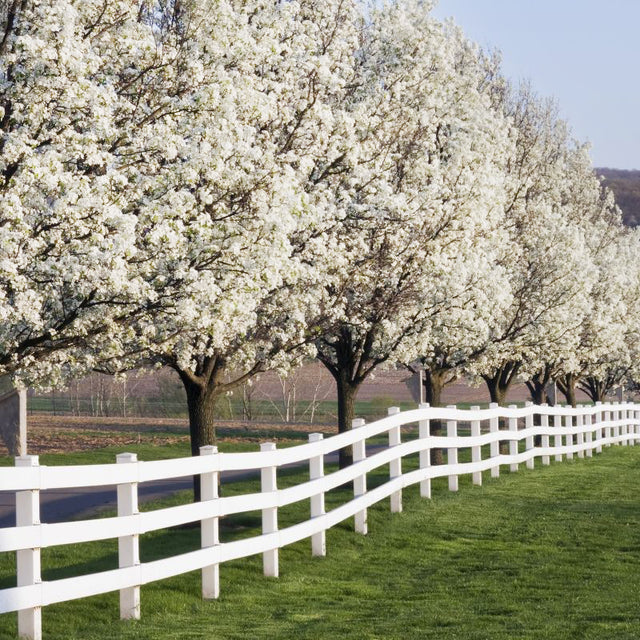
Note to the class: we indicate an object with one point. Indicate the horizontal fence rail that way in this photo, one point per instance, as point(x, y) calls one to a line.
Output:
point(527, 433)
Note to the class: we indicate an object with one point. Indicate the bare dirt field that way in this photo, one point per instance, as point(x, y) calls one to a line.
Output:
point(64, 434)
point(60, 434)
point(49, 433)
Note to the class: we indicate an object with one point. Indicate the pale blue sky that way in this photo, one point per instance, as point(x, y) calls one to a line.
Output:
point(585, 53)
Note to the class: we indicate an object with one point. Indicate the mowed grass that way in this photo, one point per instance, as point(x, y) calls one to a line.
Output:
point(549, 553)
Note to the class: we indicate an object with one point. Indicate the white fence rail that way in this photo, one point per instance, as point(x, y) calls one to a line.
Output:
point(575, 432)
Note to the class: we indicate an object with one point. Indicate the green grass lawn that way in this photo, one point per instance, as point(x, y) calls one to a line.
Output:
point(550, 553)
point(107, 455)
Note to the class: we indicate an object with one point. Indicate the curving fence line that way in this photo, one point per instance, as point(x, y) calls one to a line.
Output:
point(530, 432)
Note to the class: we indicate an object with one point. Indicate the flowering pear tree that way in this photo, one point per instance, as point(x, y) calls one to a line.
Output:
point(67, 232)
point(547, 264)
point(419, 202)
point(456, 338)
point(591, 208)
point(233, 209)
point(608, 339)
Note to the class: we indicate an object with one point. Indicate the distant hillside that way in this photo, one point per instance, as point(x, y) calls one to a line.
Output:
point(626, 188)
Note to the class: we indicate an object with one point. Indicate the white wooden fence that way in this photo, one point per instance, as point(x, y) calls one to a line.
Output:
point(572, 432)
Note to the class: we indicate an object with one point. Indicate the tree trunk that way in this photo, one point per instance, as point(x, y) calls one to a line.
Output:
point(570, 395)
point(499, 384)
point(201, 401)
point(348, 358)
point(538, 391)
point(595, 389)
point(567, 385)
point(497, 393)
point(434, 383)
point(347, 392)
point(537, 386)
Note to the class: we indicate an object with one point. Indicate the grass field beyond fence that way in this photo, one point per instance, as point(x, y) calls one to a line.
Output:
point(550, 553)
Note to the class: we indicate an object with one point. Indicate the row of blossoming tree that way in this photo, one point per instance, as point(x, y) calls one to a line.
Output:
point(223, 188)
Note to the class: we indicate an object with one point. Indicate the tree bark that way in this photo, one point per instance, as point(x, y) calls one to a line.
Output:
point(538, 384)
point(567, 385)
point(499, 384)
point(538, 392)
point(595, 389)
point(349, 358)
point(497, 393)
point(347, 392)
point(201, 402)
point(434, 384)
point(204, 384)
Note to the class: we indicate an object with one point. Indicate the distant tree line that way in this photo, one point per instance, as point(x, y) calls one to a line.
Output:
point(625, 185)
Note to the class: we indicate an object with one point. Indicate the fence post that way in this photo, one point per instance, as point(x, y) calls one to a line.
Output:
point(544, 439)
point(452, 452)
point(476, 452)
point(359, 483)
point(316, 471)
point(619, 428)
point(494, 447)
point(557, 439)
point(568, 441)
point(268, 484)
point(588, 435)
point(513, 443)
point(627, 426)
point(624, 415)
point(395, 466)
point(128, 546)
point(599, 430)
point(28, 560)
point(608, 431)
point(634, 427)
point(580, 434)
point(209, 528)
point(529, 443)
point(424, 431)
point(619, 418)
